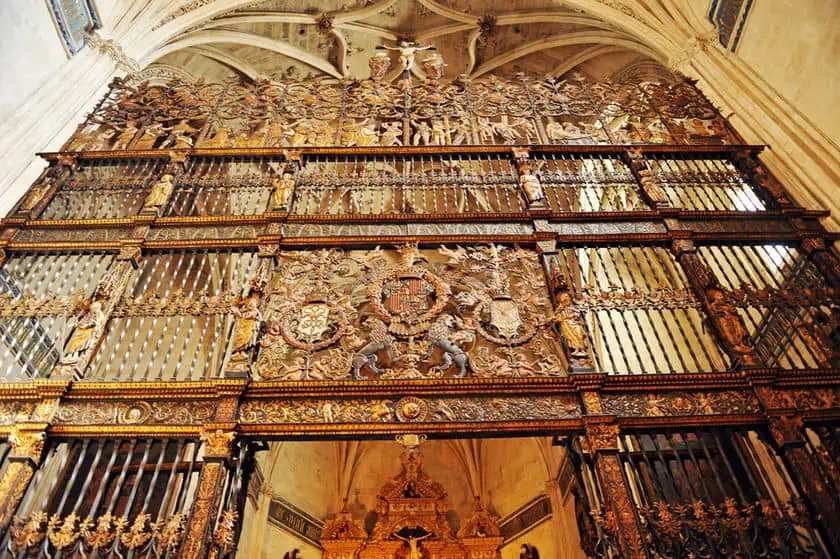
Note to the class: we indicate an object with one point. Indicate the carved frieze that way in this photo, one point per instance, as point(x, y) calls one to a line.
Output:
point(291, 230)
point(374, 112)
point(135, 412)
point(662, 404)
point(804, 399)
point(98, 235)
point(14, 411)
point(202, 233)
point(431, 410)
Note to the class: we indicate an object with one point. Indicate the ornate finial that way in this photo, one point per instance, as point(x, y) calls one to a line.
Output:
point(434, 66)
point(324, 23)
point(379, 64)
point(411, 441)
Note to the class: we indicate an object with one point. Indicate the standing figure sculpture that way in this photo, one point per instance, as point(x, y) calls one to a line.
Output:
point(283, 188)
point(88, 329)
point(159, 194)
point(413, 545)
point(408, 50)
point(247, 330)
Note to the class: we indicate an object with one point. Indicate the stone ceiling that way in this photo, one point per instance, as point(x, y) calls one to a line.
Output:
point(293, 39)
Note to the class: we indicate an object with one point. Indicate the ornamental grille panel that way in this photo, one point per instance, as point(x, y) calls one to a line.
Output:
point(127, 497)
point(641, 316)
point(596, 183)
point(790, 313)
point(175, 317)
point(43, 296)
point(703, 184)
point(104, 189)
point(224, 186)
point(435, 184)
point(709, 493)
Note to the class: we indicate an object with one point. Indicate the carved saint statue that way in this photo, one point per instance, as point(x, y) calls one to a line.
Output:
point(159, 194)
point(87, 330)
point(571, 325)
point(407, 50)
point(283, 188)
point(247, 327)
point(530, 184)
point(413, 545)
point(35, 194)
point(726, 315)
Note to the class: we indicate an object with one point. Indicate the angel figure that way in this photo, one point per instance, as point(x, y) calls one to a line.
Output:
point(413, 545)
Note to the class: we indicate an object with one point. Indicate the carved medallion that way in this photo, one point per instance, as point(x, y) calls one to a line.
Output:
point(411, 409)
point(408, 297)
point(313, 324)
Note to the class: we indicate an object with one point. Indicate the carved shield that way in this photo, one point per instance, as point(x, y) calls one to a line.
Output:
point(407, 296)
point(314, 321)
point(504, 315)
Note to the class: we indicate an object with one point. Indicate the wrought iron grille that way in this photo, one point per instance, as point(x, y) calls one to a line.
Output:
point(597, 183)
point(441, 184)
point(703, 184)
point(715, 493)
point(175, 317)
point(789, 312)
point(224, 186)
point(126, 497)
point(641, 316)
point(103, 189)
point(43, 293)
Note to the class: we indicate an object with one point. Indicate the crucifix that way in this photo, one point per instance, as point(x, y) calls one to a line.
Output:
point(407, 50)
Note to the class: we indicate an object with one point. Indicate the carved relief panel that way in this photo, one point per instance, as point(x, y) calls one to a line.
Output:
point(408, 313)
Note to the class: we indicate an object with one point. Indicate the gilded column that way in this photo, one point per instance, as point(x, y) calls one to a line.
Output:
point(218, 446)
point(824, 258)
point(722, 316)
point(27, 449)
point(601, 440)
point(787, 432)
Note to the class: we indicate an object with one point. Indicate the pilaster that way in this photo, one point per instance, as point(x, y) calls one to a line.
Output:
point(601, 439)
point(787, 433)
point(27, 450)
point(218, 447)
